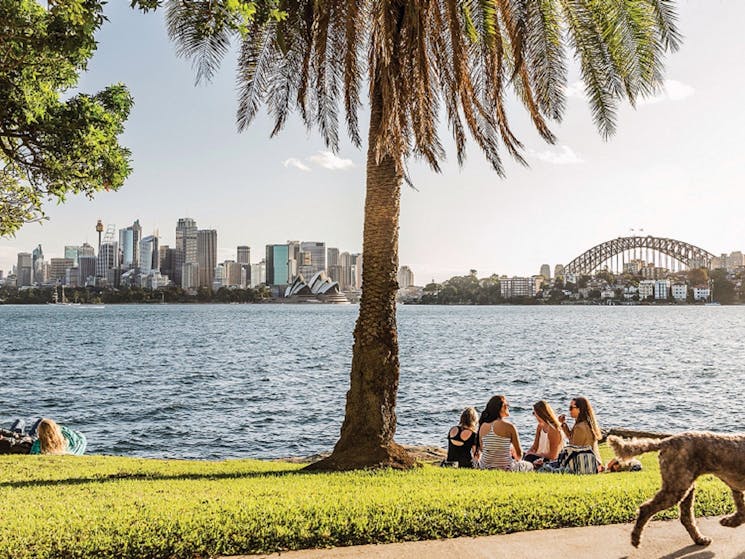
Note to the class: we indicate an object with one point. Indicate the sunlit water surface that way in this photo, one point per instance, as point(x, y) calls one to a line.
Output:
point(219, 381)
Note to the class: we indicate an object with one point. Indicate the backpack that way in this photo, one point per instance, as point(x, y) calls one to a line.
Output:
point(578, 460)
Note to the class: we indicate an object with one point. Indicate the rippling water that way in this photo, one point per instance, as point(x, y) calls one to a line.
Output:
point(218, 381)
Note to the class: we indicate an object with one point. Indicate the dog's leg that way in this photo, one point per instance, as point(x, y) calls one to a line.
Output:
point(689, 520)
point(666, 497)
point(738, 517)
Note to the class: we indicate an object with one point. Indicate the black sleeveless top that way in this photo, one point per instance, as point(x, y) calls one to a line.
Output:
point(461, 453)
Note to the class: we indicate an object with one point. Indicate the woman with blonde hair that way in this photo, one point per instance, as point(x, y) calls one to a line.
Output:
point(548, 440)
point(57, 439)
point(462, 442)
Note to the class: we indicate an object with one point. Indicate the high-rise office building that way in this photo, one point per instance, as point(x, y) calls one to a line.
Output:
point(72, 251)
point(293, 259)
point(258, 274)
point(37, 263)
point(24, 269)
point(58, 269)
point(149, 255)
point(559, 271)
point(276, 264)
point(85, 250)
point(332, 258)
point(244, 259)
point(129, 244)
point(405, 277)
point(206, 256)
point(546, 271)
point(86, 268)
point(108, 259)
point(231, 273)
point(346, 264)
point(190, 275)
point(317, 252)
point(186, 247)
point(243, 255)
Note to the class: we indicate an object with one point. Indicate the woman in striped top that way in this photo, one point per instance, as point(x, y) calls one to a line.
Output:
point(498, 440)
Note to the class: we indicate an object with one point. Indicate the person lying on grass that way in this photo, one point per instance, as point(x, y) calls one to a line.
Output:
point(58, 439)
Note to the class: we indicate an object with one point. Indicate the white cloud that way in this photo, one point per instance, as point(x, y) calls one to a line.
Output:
point(576, 90)
point(330, 161)
point(672, 90)
point(563, 155)
point(293, 162)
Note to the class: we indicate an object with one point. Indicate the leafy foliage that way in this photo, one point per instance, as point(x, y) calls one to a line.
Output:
point(50, 147)
point(107, 507)
point(457, 56)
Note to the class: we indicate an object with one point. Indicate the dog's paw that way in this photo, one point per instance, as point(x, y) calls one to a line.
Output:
point(703, 541)
point(731, 521)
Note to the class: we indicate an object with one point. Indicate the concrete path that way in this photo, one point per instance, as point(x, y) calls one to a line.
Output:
point(662, 540)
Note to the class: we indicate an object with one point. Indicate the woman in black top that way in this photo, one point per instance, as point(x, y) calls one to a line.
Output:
point(462, 440)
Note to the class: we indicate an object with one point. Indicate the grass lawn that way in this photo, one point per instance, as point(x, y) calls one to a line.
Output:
point(107, 507)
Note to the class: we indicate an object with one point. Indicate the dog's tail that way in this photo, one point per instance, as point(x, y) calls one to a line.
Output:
point(625, 449)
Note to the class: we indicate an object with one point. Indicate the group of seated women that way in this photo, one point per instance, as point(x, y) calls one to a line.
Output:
point(492, 442)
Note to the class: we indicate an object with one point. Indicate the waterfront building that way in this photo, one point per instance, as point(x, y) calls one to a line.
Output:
point(559, 271)
point(332, 256)
point(37, 265)
point(679, 291)
point(86, 269)
point(24, 270)
point(546, 271)
point(58, 269)
point(305, 266)
point(206, 256)
point(186, 247)
point(190, 276)
point(357, 271)
point(166, 259)
point(129, 244)
point(72, 276)
point(317, 252)
point(646, 289)
point(735, 261)
point(405, 277)
point(277, 265)
point(149, 255)
point(701, 292)
point(517, 287)
point(293, 259)
point(661, 289)
point(258, 274)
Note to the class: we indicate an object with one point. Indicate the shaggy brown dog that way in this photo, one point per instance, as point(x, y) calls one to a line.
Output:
point(683, 458)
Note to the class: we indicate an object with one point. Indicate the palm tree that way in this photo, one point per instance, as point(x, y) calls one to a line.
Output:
point(419, 58)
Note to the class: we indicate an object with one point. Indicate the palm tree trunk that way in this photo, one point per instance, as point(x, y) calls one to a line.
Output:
point(370, 422)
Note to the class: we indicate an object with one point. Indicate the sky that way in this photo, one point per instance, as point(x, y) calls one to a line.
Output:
point(674, 168)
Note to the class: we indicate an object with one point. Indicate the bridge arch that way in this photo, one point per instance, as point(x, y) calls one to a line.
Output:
point(628, 249)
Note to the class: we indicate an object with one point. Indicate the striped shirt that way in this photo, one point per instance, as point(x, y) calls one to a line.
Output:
point(495, 452)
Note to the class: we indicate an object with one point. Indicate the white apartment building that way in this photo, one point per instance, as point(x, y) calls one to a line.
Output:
point(701, 293)
point(517, 287)
point(661, 289)
point(680, 291)
point(646, 289)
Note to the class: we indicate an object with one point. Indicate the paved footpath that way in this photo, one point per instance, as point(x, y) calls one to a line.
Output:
point(662, 540)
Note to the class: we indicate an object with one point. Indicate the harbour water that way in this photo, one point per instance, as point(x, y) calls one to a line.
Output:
point(266, 381)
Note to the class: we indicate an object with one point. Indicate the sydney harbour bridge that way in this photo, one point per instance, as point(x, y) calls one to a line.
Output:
point(614, 255)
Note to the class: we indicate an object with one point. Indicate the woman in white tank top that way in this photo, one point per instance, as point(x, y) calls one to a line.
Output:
point(498, 439)
point(549, 439)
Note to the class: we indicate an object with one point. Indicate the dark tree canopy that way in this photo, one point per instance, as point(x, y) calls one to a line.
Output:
point(53, 144)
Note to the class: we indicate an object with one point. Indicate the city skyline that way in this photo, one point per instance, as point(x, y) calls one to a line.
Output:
point(672, 169)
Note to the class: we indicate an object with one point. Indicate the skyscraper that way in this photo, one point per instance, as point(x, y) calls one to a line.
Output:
point(546, 271)
point(244, 255)
point(186, 247)
point(149, 256)
point(58, 269)
point(258, 274)
point(276, 264)
point(107, 259)
point(207, 256)
point(86, 268)
point(166, 261)
point(24, 269)
point(85, 250)
point(559, 271)
point(317, 252)
point(293, 259)
point(244, 260)
point(37, 264)
point(72, 251)
point(129, 243)
point(405, 277)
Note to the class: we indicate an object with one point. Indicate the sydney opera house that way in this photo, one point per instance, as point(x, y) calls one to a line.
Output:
point(320, 288)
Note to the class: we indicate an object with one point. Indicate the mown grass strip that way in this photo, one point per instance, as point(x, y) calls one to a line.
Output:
point(114, 507)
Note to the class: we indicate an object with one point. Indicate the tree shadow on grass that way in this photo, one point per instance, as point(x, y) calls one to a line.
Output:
point(151, 477)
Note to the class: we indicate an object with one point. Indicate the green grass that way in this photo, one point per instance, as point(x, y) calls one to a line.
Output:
point(107, 507)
